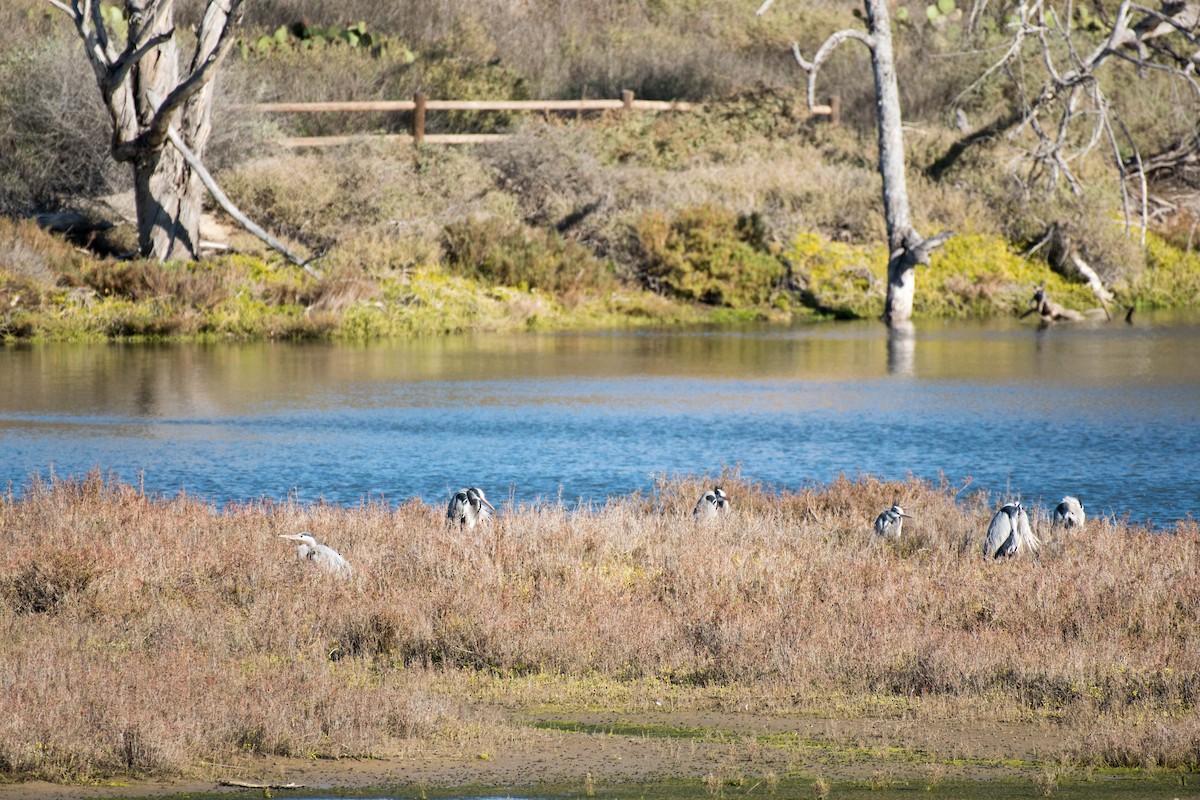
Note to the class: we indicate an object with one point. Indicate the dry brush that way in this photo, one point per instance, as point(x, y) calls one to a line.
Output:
point(146, 635)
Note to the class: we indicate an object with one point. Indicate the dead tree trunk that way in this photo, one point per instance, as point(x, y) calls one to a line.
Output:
point(168, 212)
point(906, 247)
point(146, 91)
point(902, 239)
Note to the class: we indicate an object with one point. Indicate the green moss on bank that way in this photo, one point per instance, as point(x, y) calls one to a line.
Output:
point(240, 297)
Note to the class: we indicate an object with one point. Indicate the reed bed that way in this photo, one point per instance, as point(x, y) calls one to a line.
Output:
point(147, 635)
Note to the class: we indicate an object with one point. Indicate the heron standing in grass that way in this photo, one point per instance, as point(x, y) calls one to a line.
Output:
point(1009, 533)
point(711, 505)
point(322, 555)
point(891, 521)
point(468, 507)
point(1069, 513)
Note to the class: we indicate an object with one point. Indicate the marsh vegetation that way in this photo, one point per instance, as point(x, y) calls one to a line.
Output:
point(112, 600)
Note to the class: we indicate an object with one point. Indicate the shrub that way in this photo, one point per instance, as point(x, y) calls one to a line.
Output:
point(839, 279)
point(710, 255)
point(557, 181)
point(54, 131)
point(498, 251)
point(47, 582)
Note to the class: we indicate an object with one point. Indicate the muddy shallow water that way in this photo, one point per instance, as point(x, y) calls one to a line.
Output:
point(706, 754)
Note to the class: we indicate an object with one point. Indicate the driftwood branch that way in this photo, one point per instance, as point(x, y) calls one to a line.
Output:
point(252, 785)
point(223, 200)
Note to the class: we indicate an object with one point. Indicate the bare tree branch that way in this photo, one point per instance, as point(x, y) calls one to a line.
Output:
point(102, 39)
point(223, 200)
point(142, 39)
point(127, 59)
point(823, 53)
point(1136, 34)
point(200, 76)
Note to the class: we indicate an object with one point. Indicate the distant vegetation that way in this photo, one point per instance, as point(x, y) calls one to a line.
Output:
point(748, 209)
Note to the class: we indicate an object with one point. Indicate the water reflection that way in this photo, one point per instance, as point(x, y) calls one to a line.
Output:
point(902, 348)
point(1106, 412)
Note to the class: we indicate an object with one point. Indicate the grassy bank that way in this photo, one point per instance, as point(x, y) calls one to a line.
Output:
point(747, 208)
point(111, 601)
point(49, 292)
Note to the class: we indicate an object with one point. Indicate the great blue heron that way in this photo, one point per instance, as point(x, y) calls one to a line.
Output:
point(468, 507)
point(711, 505)
point(1009, 533)
point(891, 521)
point(1069, 513)
point(322, 555)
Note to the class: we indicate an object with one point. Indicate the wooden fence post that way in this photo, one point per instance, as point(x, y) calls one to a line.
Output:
point(627, 99)
point(418, 122)
point(835, 109)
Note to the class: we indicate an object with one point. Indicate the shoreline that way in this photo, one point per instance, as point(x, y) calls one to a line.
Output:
point(737, 749)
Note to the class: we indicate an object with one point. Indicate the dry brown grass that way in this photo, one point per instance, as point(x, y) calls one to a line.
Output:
point(142, 635)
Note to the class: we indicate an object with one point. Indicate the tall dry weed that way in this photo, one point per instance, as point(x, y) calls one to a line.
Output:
point(140, 634)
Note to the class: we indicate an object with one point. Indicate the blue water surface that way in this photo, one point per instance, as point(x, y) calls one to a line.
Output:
point(1105, 411)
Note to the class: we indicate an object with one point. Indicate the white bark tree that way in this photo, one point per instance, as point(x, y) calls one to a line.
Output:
point(151, 95)
point(906, 247)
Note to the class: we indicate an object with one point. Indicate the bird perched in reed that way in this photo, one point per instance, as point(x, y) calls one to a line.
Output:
point(1069, 513)
point(891, 521)
point(712, 504)
point(1009, 533)
point(468, 507)
point(322, 555)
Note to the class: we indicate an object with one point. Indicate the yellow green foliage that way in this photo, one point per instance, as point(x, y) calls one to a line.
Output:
point(709, 255)
point(1171, 277)
point(840, 279)
point(971, 275)
point(980, 275)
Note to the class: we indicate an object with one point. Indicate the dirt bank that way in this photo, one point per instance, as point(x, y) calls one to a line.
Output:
point(580, 751)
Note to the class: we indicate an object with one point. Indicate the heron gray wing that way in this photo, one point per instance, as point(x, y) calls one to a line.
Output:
point(457, 510)
point(331, 560)
point(998, 533)
point(1025, 536)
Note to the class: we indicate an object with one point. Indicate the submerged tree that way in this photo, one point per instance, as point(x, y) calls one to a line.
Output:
point(906, 247)
point(154, 100)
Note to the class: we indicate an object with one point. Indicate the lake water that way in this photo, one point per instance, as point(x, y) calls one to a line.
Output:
point(1108, 412)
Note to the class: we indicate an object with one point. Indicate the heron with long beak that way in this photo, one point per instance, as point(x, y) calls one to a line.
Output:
point(891, 522)
point(324, 556)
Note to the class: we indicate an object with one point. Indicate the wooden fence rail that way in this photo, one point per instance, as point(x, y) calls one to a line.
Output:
point(419, 105)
